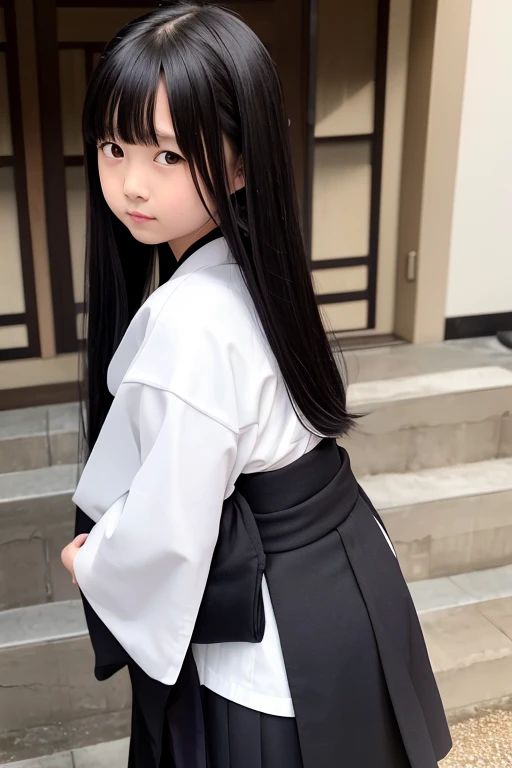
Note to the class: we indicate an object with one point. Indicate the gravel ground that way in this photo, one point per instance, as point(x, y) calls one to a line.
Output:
point(484, 741)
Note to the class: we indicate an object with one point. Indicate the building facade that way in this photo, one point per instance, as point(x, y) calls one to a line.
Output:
point(399, 115)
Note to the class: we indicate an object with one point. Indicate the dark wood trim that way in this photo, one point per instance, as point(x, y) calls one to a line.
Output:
point(13, 319)
point(6, 161)
point(86, 45)
point(16, 353)
point(31, 319)
point(349, 138)
point(107, 4)
point(310, 148)
point(73, 161)
point(381, 59)
point(45, 15)
point(89, 63)
point(126, 3)
point(291, 57)
point(352, 261)
point(336, 298)
point(477, 325)
point(47, 394)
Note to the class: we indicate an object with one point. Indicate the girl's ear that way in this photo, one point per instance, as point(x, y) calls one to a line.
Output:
point(239, 180)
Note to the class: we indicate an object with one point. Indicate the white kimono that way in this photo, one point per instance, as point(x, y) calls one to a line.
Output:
point(198, 399)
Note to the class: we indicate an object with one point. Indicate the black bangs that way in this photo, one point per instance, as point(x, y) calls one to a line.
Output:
point(121, 98)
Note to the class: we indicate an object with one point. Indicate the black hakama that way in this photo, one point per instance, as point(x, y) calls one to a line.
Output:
point(238, 737)
point(362, 686)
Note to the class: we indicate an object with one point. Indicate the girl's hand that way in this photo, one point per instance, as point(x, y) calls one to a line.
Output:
point(69, 553)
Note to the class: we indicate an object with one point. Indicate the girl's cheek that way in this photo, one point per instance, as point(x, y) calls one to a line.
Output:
point(113, 191)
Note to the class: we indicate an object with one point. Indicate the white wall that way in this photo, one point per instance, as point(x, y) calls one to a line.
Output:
point(480, 270)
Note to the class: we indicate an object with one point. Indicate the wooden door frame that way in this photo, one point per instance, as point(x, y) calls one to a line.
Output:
point(29, 318)
point(376, 138)
point(436, 75)
point(45, 17)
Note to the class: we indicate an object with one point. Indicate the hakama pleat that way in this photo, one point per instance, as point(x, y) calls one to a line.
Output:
point(167, 720)
point(238, 737)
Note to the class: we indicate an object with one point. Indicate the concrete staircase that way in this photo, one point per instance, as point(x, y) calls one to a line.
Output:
point(49, 698)
point(435, 455)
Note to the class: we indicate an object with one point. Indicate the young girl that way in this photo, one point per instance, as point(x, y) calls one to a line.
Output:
point(232, 562)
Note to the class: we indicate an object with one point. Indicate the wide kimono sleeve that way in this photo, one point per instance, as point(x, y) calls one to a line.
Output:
point(145, 564)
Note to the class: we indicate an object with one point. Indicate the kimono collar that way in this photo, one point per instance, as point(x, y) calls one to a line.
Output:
point(209, 251)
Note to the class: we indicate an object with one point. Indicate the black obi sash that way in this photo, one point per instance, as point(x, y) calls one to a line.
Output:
point(311, 528)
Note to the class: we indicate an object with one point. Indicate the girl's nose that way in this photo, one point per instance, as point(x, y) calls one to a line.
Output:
point(134, 186)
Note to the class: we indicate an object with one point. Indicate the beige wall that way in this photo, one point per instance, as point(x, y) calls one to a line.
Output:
point(396, 89)
point(480, 271)
point(437, 66)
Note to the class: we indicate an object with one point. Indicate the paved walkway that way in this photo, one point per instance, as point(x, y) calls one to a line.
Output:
point(484, 741)
point(114, 754)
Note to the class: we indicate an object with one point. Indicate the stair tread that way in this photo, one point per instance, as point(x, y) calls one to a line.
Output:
point(35, 483)
point(46, 622)
point(51, 746)
point(39, 420)
point(462, 589)
point(428, 385)
point(394, 490)
point(109, 754)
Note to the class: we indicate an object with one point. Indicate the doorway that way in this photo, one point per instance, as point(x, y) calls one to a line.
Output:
point(356, 146)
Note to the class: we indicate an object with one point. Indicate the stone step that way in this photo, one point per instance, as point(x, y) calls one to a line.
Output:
point(431, 420)
point(110, 754)
point(463, 589)
point(76, 740)
point(449, 520)
point(46, 669)
point(470, 649)
point(413, 422)
point(36, 522)
point(50, 702)
point(31, 438)
point(442, 521)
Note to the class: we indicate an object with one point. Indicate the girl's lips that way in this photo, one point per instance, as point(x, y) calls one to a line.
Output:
point(139, 216)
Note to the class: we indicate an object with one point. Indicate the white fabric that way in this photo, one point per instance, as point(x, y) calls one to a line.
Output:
point(198, 399)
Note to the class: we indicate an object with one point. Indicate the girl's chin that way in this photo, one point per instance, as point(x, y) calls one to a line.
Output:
point(148, 238)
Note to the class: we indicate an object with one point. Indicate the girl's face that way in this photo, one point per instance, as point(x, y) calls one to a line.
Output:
point(155, 182)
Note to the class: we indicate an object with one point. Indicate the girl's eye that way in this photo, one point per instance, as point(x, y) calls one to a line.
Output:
point(169, 158)
point(111, 150)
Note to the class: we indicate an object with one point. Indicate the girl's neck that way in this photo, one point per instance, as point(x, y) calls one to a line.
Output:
point(181, 244)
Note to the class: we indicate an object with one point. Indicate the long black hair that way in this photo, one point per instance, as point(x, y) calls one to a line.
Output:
point(220, 81)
